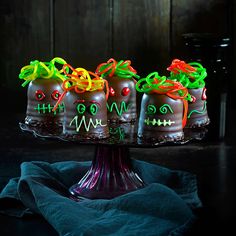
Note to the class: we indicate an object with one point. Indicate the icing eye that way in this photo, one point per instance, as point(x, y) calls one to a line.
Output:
point(39, 94)
point(204, 96)
point(125, 91)
point(93, 109)
point(164, 108)
point(151, 109)
point(111, 92)
point(55, 95)
point(81, 108)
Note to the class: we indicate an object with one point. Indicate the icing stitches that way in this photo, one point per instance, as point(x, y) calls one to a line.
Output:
point(43, 108)
point(158, 122)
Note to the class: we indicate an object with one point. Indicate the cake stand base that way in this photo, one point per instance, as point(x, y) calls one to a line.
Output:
point(109, 176)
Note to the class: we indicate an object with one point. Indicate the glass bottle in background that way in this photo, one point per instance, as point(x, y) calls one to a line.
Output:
point(213, 52)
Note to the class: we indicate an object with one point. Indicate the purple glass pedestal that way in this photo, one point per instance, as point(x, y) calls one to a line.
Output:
point(110, 175)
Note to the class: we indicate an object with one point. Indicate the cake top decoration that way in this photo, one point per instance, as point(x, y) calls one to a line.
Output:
point(190, 75)
point(80, 81)
point(154, 83)
point(122, 69)
point(46, 70)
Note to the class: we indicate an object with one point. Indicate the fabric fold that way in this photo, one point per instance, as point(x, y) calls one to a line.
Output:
point(164, 207)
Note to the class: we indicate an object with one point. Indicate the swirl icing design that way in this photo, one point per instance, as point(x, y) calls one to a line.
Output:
point(164, 109)
point(151, 109)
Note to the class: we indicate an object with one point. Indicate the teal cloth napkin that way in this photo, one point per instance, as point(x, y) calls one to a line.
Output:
point(164, 207)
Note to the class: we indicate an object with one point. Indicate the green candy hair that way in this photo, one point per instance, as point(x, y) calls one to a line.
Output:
point(46, 70)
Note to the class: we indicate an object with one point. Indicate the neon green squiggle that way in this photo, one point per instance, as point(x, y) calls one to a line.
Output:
point(164, 108)
point(198, 112)
point(45, 70)
point(123, 107)
point(98, 122)
point(189, 79)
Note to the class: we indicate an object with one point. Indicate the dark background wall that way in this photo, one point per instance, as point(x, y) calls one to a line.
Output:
point(86, 33)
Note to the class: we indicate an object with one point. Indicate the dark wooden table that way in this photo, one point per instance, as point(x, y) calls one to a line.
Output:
point(212, 160)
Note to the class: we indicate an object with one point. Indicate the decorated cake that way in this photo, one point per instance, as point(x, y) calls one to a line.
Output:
point(192, 75)
point(44, 81)
point(85, 114)
point(121, 103)
point(163, 108)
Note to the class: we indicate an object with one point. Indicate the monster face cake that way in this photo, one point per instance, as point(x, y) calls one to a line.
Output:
point(163, 108)
point(192, 76)
point(42, 97)
point(121, 103)
point(44, 91)
point(79, 104)
point(85, 105)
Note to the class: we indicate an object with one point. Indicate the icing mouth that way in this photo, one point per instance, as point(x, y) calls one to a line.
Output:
point(47, 108)
point(198, 112)
point(94, 123)
point(158, 122)
point(124, 107)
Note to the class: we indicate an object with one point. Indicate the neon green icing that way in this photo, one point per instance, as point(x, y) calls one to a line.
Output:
point(123, 107)
point(151, 109)
point(158, 122)
point(43, 108)
point(119, 131)
point(93, 109)
point(81, 108)
point(87, 125)
point(198, 112)
point(164, 108)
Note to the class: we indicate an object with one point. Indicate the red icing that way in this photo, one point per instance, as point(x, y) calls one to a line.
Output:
point(125, 91)
point(204, 97)
point(79, 101)
point(111, 92)
point(55, 95)
point(95, 102)
point(39, 94)
point(193, 99)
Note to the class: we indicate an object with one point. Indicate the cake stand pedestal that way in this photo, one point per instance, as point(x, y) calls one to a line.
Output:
point(110, 175)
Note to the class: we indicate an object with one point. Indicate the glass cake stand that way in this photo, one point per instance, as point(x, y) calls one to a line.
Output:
point(111, 173)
